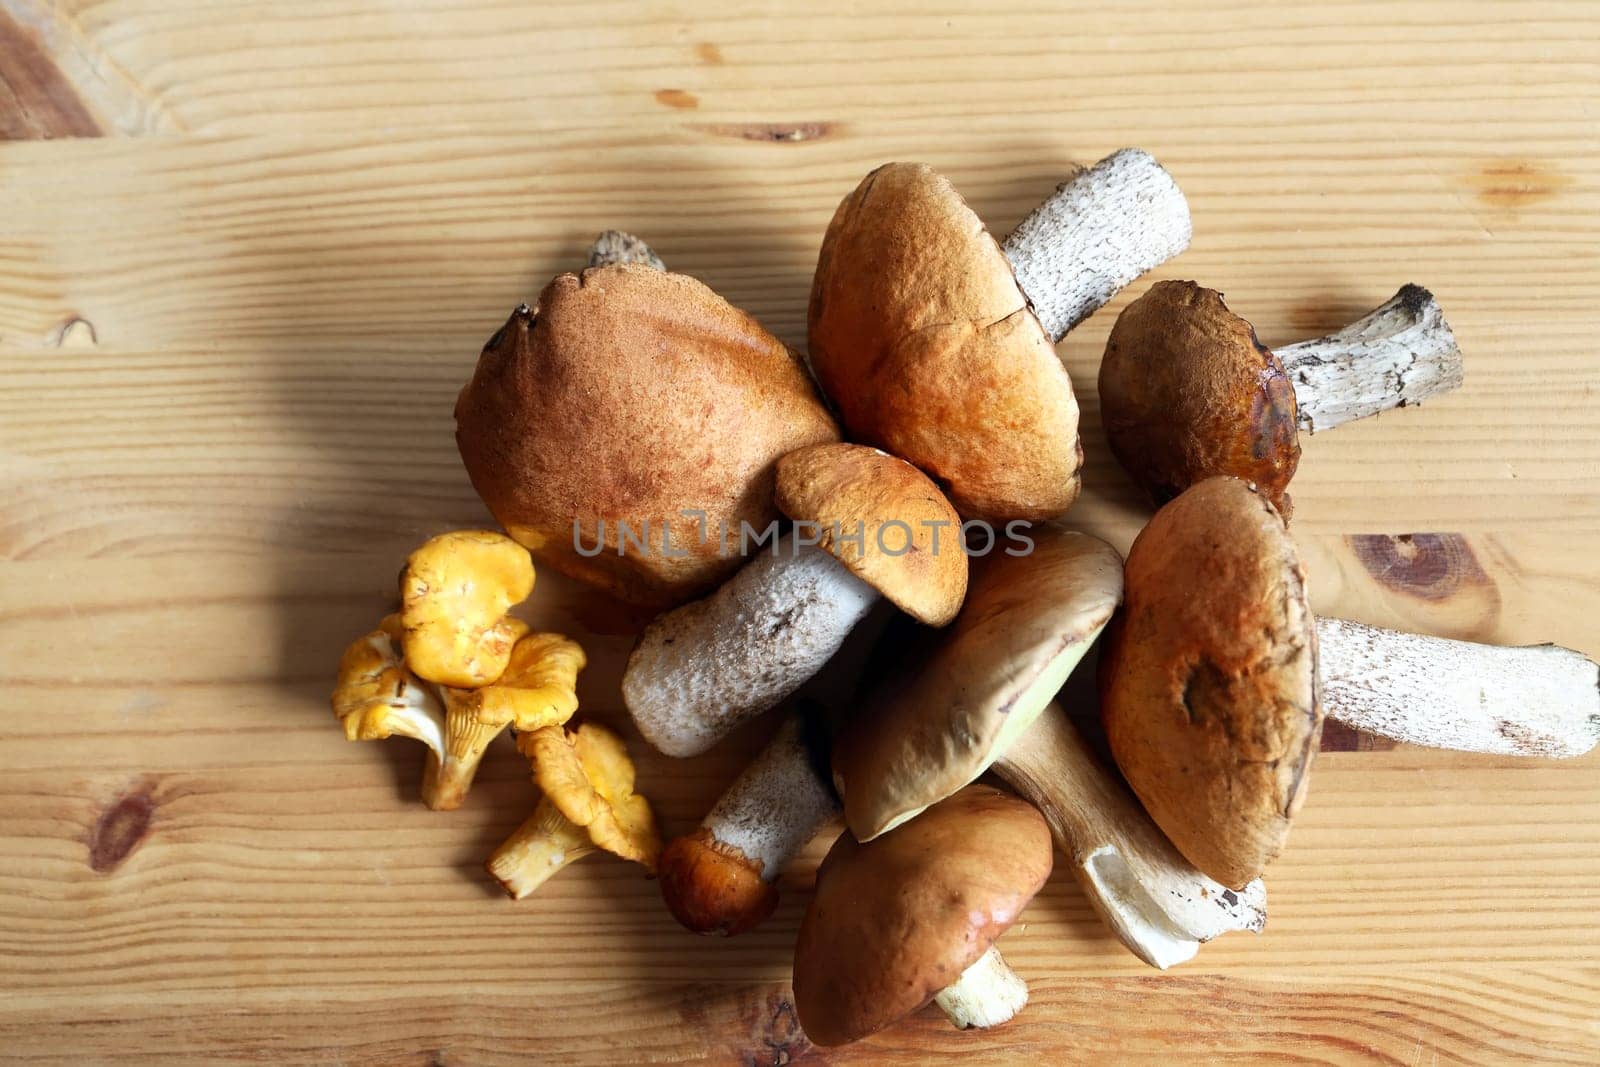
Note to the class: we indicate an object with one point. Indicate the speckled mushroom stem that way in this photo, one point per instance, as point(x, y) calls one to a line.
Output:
point(1537, 700)
point(987, 994)
point(702, 669)
point(1153, 899)
point(1097, 232)
point(614, 246)
point(1395, 356)
point(719, 878)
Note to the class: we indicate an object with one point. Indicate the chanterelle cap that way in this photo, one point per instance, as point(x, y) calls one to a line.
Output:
point(631, 395)
point(919, 334)
point(1187, 392)
point(1208, 678)
point(959, 702)
point(884, 520)
point(893, 922)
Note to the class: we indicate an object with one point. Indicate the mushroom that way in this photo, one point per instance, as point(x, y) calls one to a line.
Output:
point(588, 805)
point(914, 915)
point(720, 879)
point(938, 345)
point(378, 696)
point(1208, 678)
point(976, 697)
point(867, 524)
point(1215, 677)
point(629, 421)
point(1188, 392)
point(455, 593)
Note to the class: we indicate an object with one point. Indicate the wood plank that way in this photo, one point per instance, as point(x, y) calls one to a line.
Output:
point(232, 328)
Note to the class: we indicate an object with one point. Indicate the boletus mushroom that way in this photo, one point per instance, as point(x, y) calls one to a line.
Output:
point(914, 915)
point(976, 695)
point(1188, 392)
point(937, 344)
point(1215, 676)
point(874, 526)
point(722, 877)
point(620, 425)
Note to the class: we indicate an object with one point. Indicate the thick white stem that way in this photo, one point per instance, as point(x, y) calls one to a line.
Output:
point(1153, 899)
point(1536, 700)
point(1399, 354)
point(702, 669)
point(777, 805)
point(987, 994)
point(1096, 233)
point(614, 246)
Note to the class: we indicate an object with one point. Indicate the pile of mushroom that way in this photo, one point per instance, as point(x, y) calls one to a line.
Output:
point(635, 431)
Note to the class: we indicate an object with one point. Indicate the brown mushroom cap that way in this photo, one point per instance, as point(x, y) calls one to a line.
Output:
point(954, 709)
point(910, 544)
point(894, 921)
point(1187, 392)
point(1208, 678)
point(919, 334)
point(631, 394)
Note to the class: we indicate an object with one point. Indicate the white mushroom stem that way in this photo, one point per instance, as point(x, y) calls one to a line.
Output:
point(1400, 354)
point(987, 994)
point(1538, 700)
point(776, 805)
point(1153, 899)
point(614, 246)
point(700, 670)
point(1096, 233)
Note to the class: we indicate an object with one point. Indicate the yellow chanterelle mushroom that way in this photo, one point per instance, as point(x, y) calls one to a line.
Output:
point(588, 805)
point(454, 593)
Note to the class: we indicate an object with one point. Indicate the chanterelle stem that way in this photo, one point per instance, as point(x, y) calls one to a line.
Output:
point(702, 669)
point(1399, 354)
point(614, 246)
point(987, 994)
point(1153, 899)
point(777, 805)
point(1538, 700)
point(1097, 232)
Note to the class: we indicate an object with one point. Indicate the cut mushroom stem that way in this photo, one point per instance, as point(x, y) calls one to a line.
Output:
point(1399, 354)
point(703, 669)
point(720, 878)
point(1153, 899)
point(1096, 233)
point(614, 246)
point(545, 843)
point(987, 994)
point(1538, 700)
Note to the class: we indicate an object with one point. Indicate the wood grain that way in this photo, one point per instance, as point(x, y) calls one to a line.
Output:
point(232, 326)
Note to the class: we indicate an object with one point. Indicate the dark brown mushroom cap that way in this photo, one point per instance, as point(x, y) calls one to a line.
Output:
point(631, 394)
point(1187, 392)
point(1208, 678)
point(955, 704)
point(909, 543)
point(894, 921)
point(919, 334)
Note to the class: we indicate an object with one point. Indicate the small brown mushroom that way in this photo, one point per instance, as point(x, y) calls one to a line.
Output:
point(1188, 392)
point(914, 915)
point(921, 335)
point(867, 524)
point(721, 878)
point(620, 425)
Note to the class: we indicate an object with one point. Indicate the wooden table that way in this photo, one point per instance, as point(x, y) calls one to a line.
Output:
point(248, 253)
